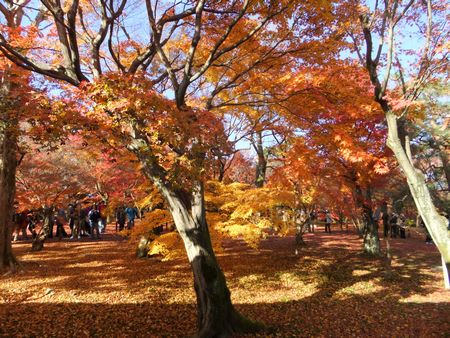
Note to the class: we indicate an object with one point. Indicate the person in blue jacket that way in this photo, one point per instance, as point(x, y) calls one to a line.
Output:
point(132, 213)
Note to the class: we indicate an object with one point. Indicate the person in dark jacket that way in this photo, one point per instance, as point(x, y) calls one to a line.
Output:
point(94, 219)
point(121, 217)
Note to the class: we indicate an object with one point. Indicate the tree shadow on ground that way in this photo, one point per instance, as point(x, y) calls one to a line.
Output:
point(313, 316)
point(330, 289)
point(86, 264)
point(334, 263)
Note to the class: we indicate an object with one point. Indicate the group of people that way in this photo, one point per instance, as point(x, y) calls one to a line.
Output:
point(312, 218)
point(26, 220)
point(82, 218)
point(394, 225)
point(125, 215)
point(87, 220)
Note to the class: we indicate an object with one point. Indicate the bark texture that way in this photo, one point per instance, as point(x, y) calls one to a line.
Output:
point(446, 270)
point(38, 242)
point(8, 163)
point(371, 240)
point(217, 316)
point(221, 164)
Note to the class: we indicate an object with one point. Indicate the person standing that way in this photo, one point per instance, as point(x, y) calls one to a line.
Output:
point(59, 222)
point(328, 221)
point(428, 238)
point(71, 217)
point(94, 220)
point(377, 215)
point(84, 228)
point(312, 218)
point(385, 218)
point(394, 225)
point(402, 226)
point(131, 215)
point(102, 222)
point(62, 213)
point(75, 216)
point(120, 217)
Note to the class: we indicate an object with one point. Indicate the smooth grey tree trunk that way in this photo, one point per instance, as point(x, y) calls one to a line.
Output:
point(435, 223)
point(446, 269)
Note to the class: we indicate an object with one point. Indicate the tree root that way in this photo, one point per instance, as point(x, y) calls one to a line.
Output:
point(237, 324)
point(11, 265)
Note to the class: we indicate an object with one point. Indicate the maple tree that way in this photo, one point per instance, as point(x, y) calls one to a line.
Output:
point(76, 168)
point(173, 157)
point(15, 98)
point(239, 169)
point(161, 102)
point(266, 125)
point(50, 179)
point(400, 96)
point(340, 144)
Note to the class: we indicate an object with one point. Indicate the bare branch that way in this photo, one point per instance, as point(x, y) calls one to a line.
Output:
point(157, 31)
point(191, 53)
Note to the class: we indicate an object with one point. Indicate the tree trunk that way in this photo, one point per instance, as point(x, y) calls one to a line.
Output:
point(38, 242)
point(446, 165)
point(221, 165)
point(8, 163)
point(217, 316)
point(371, 241)
point(300, 230)
point(435, 223)
point(371, 238)
point(341, 219)
point(261, 164)
point(359, 226)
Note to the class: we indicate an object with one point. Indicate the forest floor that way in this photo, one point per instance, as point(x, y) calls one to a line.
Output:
point(99, 289)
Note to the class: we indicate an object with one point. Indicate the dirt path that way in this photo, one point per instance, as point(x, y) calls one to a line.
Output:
point(99, 289)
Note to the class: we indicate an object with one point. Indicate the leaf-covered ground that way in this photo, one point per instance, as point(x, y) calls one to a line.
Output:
point(99, 289)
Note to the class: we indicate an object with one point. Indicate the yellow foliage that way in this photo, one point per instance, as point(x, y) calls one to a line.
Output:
point(152, 220)
point(170, 246)
point(219, 195)
point(151, 200)
point(238, 210)
point(235, 210)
